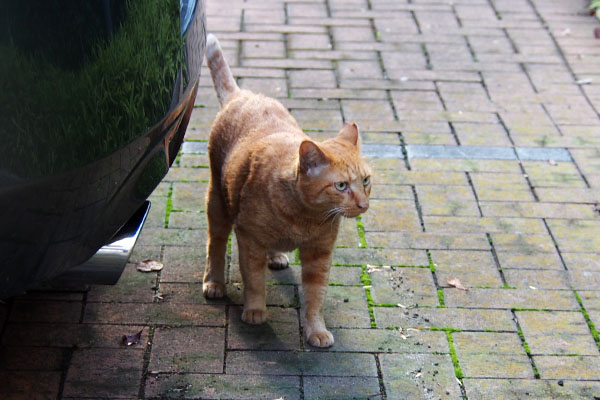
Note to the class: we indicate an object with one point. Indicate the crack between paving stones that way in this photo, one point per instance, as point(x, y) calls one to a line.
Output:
point(146, 362)
point(588, 320)
point(64, 369)
point(524, 344)
point(474, 193)
point(496, 260)
point(555, 243)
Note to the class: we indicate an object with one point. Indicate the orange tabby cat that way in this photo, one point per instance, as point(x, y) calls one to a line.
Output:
point(280, 191)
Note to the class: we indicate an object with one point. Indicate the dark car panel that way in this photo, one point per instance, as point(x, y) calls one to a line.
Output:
point(95, 99)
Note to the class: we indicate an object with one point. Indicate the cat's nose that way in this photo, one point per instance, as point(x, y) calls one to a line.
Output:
point(363, 205)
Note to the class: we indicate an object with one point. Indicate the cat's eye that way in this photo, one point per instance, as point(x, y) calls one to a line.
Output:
point(341, 186)
point(366, 181)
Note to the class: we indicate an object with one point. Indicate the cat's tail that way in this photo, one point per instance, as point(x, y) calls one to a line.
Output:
point(222, 77)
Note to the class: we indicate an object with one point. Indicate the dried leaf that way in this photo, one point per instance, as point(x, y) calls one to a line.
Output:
point(130, 340)
point(149, 266)
point(456, 283)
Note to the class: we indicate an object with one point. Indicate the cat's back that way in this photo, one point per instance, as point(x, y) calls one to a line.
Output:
point(248, 115)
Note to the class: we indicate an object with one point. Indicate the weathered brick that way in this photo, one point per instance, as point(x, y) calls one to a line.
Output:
point(415, 375)
point(185, 349)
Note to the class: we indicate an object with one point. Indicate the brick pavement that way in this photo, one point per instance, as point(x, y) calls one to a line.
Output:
point(501, 186)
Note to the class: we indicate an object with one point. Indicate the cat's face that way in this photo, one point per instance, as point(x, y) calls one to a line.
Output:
point(333, 178)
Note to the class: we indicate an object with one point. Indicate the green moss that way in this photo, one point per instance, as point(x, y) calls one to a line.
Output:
point(528, 351)
point(361, 231)
point(440, 294)
point(366, 282)
point(588, 320)
point(457, 370)
point(169, 207)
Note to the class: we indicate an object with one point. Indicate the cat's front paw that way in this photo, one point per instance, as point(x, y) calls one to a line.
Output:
point(213, 290)
point(254, 317)
point(278, 261)
point(321, 339)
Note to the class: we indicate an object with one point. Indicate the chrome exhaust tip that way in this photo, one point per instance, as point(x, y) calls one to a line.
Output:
point(106, 266)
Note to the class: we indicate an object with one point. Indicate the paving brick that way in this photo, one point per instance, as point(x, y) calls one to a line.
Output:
point(447, 200)
point(280, 332)
point(222, 386)
point(523, 243)
point(388, 215)
point(186, 349)
point(17, 384)
point(487, 343)
point(511, 298)
point(189, 196)
point(31, 358)
point(300, 363)
point(537, 210)
point(389, 341)
point(45, 311)
point(581, 261)
point(72, 335)
point(584, 280)
point(561, 367)
point(134, 286)
point(539, 279)
point(115, 373)
point(560, 175)
point(455, 318)
point(451, 224)
point(576, 235)
point(590, 299)
point(345, 307)
point(535, 260)
point(473, 268)
point(340, 387)
point(156, 313)
point(407, 286)
point(502, 166)
point(489, 389)
point(496, 366)
point(379, 257)
point(415, 375)
point(183, 264)
point(426, 240)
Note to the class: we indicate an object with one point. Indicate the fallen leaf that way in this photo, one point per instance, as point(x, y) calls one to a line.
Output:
point(130, 340)
point(149, 266)
point(158, 296)
point(456, 283)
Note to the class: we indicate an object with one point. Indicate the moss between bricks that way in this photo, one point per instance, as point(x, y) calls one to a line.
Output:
point(169, 207)
point(366, 281)
point(361, 231)
point(591, 325)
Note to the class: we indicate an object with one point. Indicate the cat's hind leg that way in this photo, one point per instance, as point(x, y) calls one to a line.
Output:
point(219, 228)
point(277, 260)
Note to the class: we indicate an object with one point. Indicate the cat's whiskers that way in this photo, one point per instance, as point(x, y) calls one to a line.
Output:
point(334, 212)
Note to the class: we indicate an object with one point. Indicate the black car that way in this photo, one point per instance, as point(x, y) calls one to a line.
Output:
point(95, 99)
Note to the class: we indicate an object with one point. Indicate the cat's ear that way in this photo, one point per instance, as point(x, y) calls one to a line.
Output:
point(312, 158)
point(350, 134)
